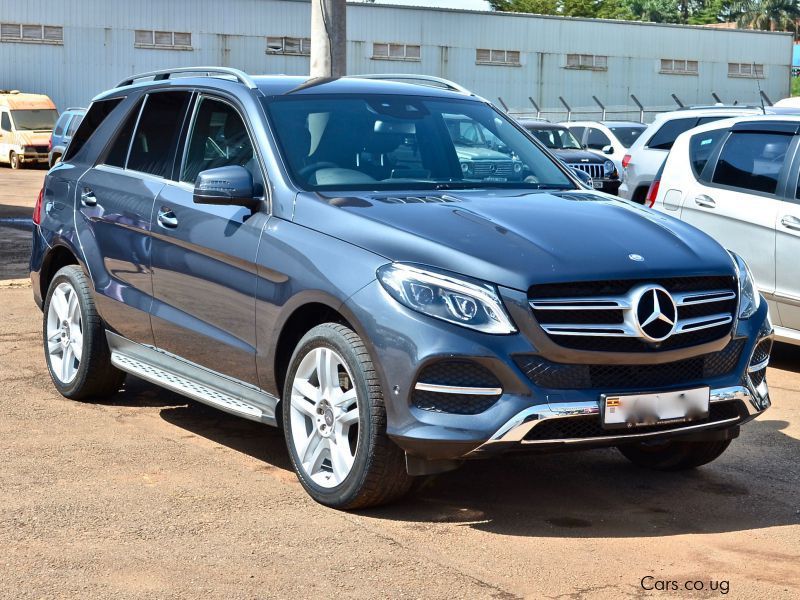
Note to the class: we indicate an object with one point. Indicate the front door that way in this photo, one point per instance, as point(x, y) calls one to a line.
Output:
point(787, 260)
point(204, 257)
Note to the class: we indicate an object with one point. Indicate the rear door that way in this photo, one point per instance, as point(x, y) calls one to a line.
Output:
point(204, 256)
point(6, 134)
point(736, 196)
point(115, 201)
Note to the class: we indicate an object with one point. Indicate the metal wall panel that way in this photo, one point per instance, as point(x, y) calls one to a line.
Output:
point(98, 50)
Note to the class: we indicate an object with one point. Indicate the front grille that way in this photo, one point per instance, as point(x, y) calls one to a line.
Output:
point(591, 315)
point(457, 373)
point(594, 171)
point(696, 370)
point(488, 168)
point(589, 426)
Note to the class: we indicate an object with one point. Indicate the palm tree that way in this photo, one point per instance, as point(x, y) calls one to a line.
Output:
point(771, 15)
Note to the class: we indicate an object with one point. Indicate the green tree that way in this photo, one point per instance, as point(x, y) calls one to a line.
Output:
point(657, 11)
point(769, 15)
point(539, 7)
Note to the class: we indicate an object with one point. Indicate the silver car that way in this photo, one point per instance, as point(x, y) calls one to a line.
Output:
point(649, 151)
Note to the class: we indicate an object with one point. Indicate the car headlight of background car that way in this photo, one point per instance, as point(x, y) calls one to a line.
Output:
point(466, 167)
point(447, 297)
point(608, 168)
point(749, 298)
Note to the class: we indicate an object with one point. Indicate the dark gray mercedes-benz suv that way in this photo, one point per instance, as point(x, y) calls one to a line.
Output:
point(319, 255)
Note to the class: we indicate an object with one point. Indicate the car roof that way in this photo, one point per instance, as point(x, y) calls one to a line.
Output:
point(727, 123)
point(286, 85)
point(540, 124)
point(606, 123)
point(706, 111)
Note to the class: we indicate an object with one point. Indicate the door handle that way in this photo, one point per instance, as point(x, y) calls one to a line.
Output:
point(166, 218)
point(88, 198)
point(791, 222)
point(705, 201)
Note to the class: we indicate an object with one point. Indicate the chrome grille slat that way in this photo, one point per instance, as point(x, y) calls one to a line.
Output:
point(594, 171)
point(484, 168)
point(692, 298)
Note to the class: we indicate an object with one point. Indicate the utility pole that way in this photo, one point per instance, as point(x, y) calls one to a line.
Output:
point(328, 38)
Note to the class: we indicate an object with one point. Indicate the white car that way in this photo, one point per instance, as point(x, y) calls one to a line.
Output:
point(609, 139)
point(649, 151)
point(737, 180)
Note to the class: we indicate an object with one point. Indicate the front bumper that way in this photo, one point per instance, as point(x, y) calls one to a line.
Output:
point(745, 404)
point(404, 343)
point(34, 157)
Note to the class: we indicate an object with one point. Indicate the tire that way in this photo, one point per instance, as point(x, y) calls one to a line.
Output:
point(674, 455)
point(87, 371)
point(337, 467)
point(13, 160)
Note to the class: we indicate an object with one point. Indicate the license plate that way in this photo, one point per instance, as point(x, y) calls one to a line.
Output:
point(597, 184)
point(654, 409)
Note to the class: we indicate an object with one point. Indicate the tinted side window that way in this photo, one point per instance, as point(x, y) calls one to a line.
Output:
point(60, 124)
point(704, 120)
point(578, 132)
point(97, 113)
point(5, 122)
point(156, 138)
point(665, 136)
point(597, 140)
point(218, 139)
point(118, 153)
point(73, 125)
point(701, 147)
point(752, 160)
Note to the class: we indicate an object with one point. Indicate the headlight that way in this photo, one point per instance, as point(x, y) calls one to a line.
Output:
point(517, 167)
point(466, 168)
point(608, 167)
point(471, 304)
point(749, 298)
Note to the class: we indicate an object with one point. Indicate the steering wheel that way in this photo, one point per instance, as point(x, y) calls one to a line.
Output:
point(309, 169)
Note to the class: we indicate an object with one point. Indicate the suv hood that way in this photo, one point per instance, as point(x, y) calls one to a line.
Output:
point(515, 238)
point(480, 153)
point(578, 156)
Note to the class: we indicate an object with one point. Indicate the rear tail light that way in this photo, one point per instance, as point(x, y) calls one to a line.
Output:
point(626, 160)
point(652, 192)
point(37, 209)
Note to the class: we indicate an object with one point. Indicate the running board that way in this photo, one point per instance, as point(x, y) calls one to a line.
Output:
point(191, 380)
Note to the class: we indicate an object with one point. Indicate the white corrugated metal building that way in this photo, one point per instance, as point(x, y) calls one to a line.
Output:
point(73, 50)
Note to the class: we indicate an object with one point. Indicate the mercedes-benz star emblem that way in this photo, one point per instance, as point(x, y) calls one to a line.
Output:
point(656, 314)
point(636, 257)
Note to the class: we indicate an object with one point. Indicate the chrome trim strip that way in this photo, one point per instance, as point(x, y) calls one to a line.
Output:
point(590, 329)
point(692, 298)
point(759, 366)
point(593, 303)
point(516, 428)
point(698, 323)
point(456, 389)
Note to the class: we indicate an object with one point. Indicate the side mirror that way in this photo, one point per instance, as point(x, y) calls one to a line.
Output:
point(584, 177)
point(226, 185)
point(608, 149)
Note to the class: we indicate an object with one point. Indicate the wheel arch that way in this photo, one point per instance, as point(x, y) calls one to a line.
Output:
point(57, 257)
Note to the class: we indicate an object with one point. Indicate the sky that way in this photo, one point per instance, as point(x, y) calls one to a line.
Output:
point(465, 4)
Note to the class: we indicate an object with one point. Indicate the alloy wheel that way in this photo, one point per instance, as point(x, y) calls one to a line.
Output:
point(64, 333)
point(324, 417)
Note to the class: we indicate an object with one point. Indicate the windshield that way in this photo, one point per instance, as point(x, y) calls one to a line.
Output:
point(406, 142)
point(28, 120)
point(627, 134)
point(556, 138)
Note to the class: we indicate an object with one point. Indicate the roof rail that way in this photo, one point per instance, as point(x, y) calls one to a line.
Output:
point(716, 106)
point(163, 74)
point(429, 80)
point(74, 108)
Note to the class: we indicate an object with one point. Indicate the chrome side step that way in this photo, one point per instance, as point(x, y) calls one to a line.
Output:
point(191, 380)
